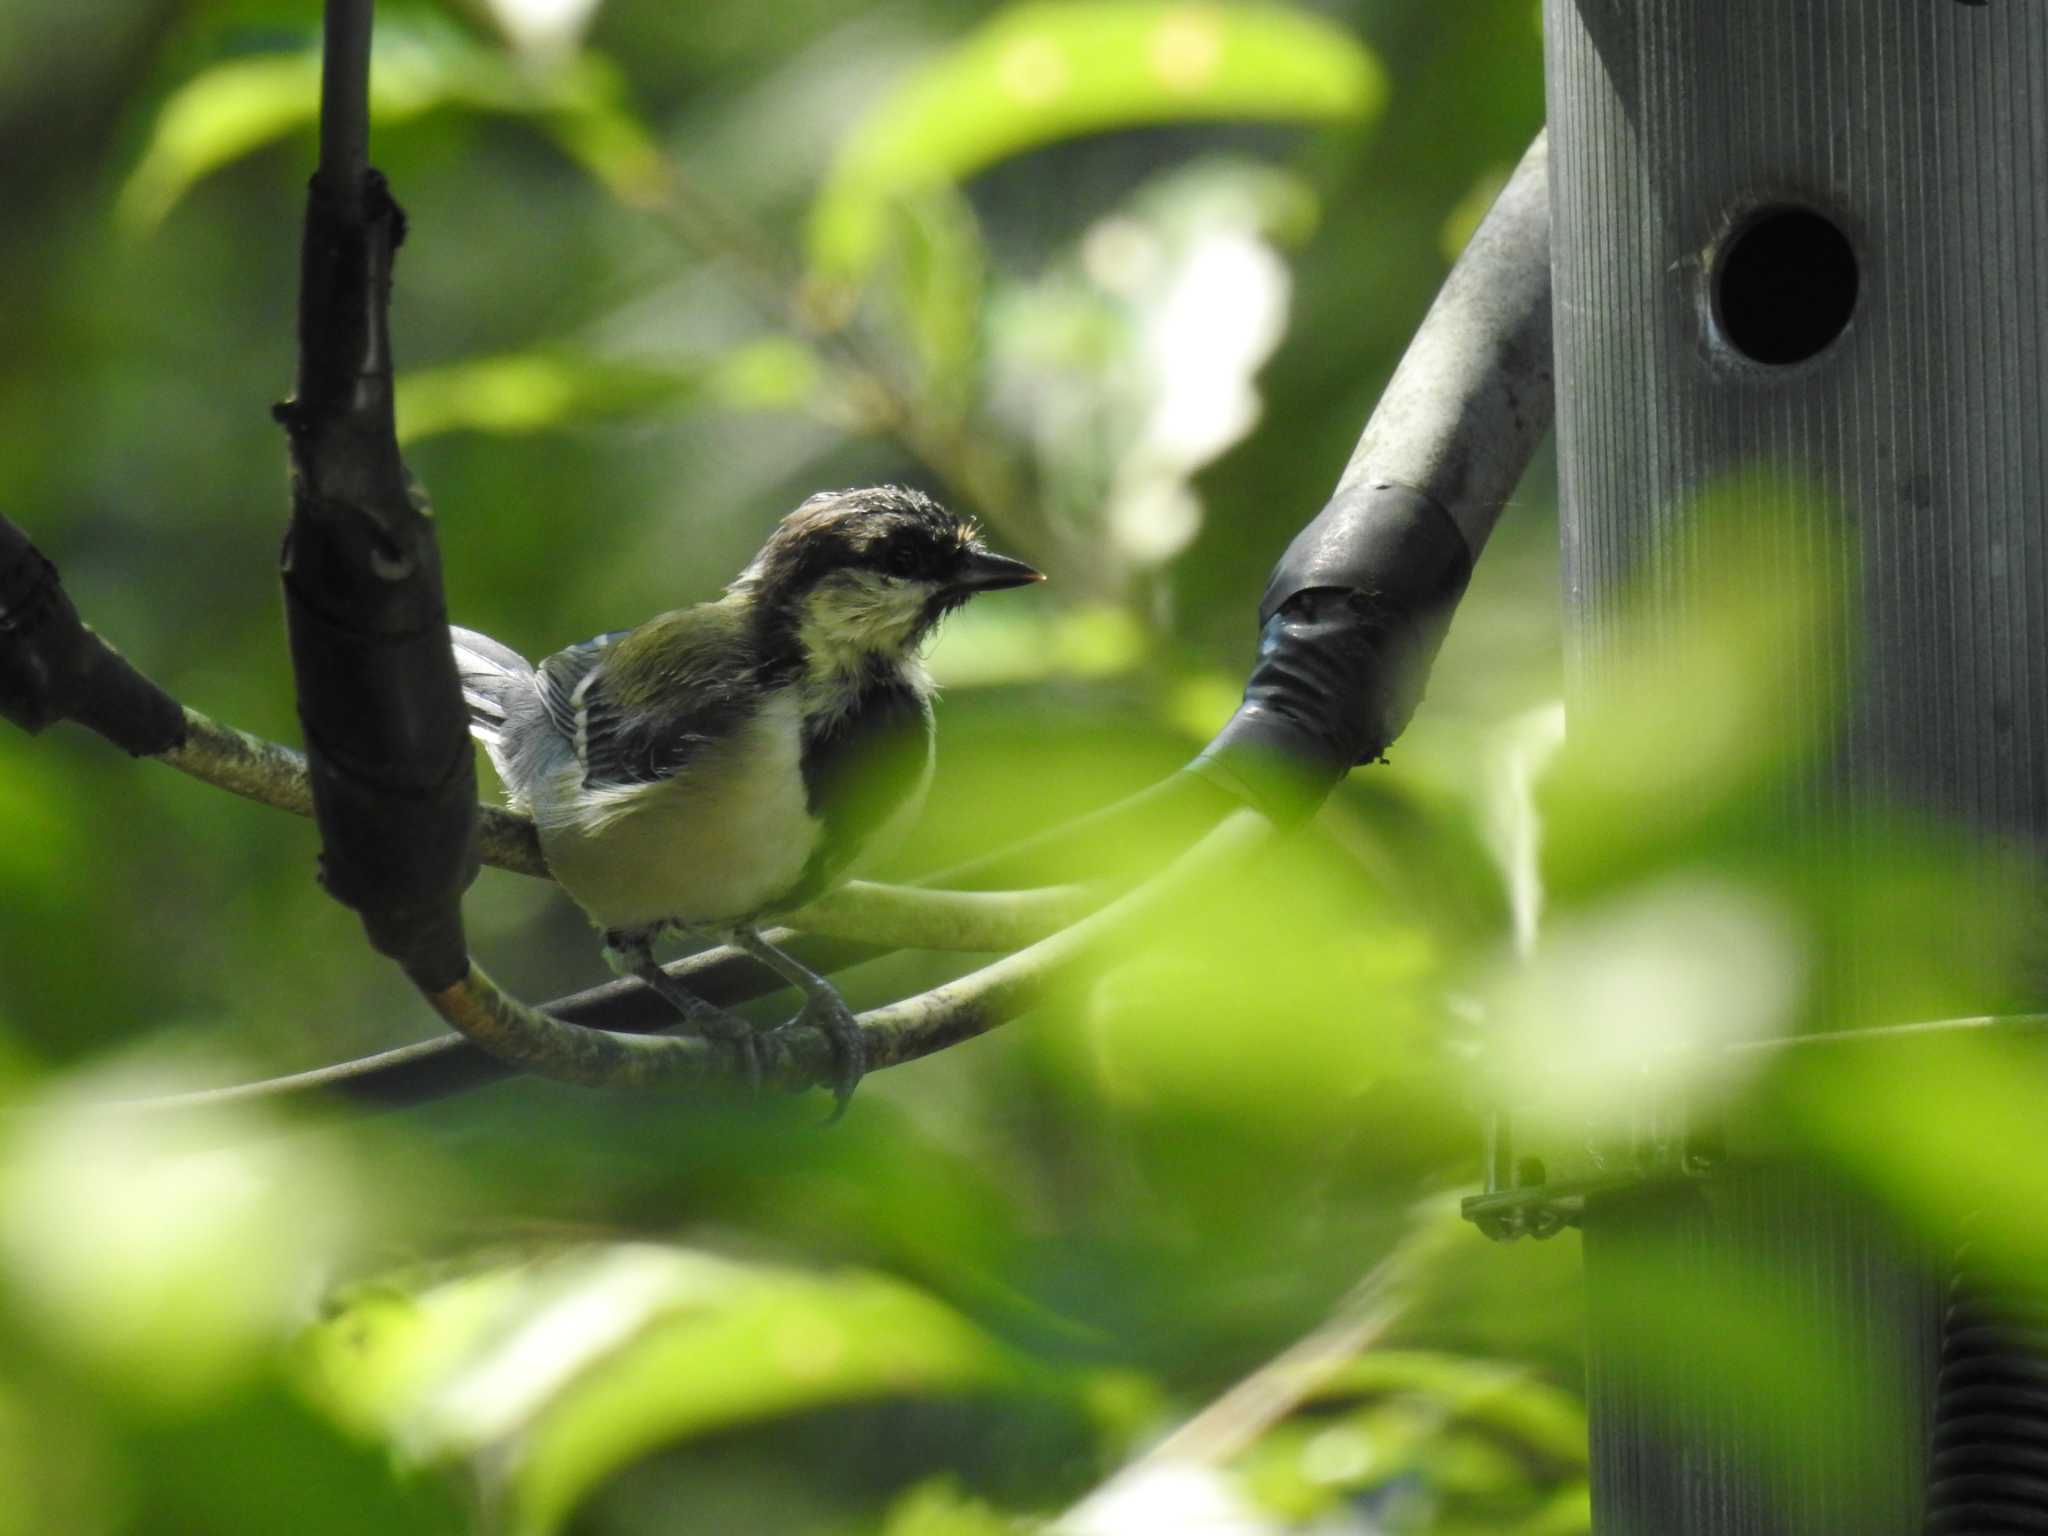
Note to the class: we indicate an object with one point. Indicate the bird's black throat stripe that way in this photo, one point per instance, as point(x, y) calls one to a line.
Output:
point(860, 765)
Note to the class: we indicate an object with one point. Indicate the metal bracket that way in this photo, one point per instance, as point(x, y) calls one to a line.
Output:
point(1539, 1175)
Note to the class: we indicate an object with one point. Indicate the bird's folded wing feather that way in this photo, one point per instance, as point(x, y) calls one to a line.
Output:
point(638, 705)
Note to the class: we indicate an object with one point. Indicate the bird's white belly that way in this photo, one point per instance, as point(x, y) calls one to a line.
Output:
point(718, 842)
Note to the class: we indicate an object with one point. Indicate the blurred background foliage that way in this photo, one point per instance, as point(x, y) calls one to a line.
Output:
point(1123, 279)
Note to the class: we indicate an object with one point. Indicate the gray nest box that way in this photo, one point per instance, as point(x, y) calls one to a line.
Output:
point(1810, 234)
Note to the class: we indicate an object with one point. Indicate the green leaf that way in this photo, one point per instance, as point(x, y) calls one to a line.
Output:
point(243, 104)
point(940, 280)
point(522, 392)
point(759, 1344)
point(562, 1371)
point(940, 1508)
point(1507, 1398)
point(265, 1462)
point(519, 392)
point(1057, 69)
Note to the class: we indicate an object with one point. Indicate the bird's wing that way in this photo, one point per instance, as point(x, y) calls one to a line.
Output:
point(639, 704)
point(563, 677)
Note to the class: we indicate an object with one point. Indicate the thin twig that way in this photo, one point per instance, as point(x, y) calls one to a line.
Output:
point(975, 474)
point(427, 1070)
point(799, 1058)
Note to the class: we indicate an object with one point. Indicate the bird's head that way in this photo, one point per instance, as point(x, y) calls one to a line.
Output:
point(862, 573)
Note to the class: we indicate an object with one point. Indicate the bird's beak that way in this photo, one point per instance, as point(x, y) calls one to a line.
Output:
point(987, 571)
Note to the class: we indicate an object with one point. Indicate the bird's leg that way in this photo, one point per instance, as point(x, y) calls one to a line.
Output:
point(824, 1009)
point(631, 953)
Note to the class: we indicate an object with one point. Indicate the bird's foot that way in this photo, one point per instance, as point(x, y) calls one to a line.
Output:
point(827, 1013)
point(721, 1024)
point(706, 1019)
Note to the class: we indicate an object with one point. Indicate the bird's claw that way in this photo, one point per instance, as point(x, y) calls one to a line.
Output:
point(835, 1021)
point(707, 1019)
point(750, 1057)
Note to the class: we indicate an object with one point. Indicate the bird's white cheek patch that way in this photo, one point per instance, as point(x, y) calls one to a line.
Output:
point(847, 621)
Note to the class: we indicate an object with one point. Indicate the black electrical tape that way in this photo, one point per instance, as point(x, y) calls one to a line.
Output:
point(1351, 620)
point(53, 668)
point(387, 735)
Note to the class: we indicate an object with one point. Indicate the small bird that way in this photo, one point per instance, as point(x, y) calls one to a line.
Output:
point(724, 762)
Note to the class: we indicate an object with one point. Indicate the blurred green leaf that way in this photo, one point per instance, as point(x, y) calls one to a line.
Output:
point(1697, 731)
point(1547, 1420)
point(752, 1344)
point(577, 1366)
point(1478, 1442)
point(57, 1465)
point(166, 1252)
point(989, 645)
point(520, 392)
point(939, 1508)
point(939, 285)
point(1054, 69)
point(1463, 221)
point(529, 392)
point(420, 64)
point(264, 1462)
point(1940, 1125)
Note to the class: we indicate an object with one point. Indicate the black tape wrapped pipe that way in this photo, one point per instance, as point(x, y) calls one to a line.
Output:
point(1351, 620)
point(387, 736)
point(53, 668)
point(1987, 1472)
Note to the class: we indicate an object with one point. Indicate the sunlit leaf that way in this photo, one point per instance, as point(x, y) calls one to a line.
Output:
point(939, 1508)
point(1165, 1496)
point(530, 392)
point(168, 1252)
point(242, 104)
point(520, 392)
point(575, 1366)
point(1463, 221)
point(750, 1344)
point(1633, 1001)
point(1040, 72)
point(1941, 1125)
point(544, 28)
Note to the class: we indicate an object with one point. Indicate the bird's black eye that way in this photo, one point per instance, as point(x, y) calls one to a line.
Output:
point(901, 559)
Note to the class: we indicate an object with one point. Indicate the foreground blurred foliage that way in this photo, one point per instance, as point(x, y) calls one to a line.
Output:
point(1123, 280)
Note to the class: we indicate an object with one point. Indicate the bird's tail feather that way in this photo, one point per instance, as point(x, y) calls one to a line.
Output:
point(489, 672)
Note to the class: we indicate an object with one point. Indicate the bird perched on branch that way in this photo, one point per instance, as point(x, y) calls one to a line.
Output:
point(725, 762)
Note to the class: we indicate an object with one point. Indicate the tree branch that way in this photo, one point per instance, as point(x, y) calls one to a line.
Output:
point(800, 1058)
point(448, 1064)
